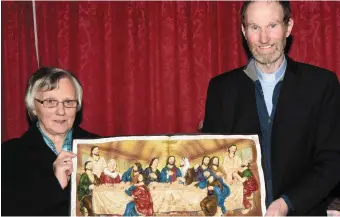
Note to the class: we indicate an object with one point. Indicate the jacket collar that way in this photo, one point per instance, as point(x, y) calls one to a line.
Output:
point(250, 68)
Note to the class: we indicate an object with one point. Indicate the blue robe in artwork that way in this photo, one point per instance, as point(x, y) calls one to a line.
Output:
point(130, 209)
point(213, 173)
point(172, 178)
point(221, 194)
point(199, 174)
point(202, 184)
point(148, 179)
point(127, 176)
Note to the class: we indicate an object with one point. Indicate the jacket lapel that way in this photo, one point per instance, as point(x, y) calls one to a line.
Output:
point(287, 91)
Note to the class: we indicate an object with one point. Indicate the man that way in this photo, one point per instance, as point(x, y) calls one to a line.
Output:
point(170, 172)
point(217, 192)
point(142, 204)
point(199, 169)
point(250, 185)
point(131, 175)
point(214, 167)
point(293, 107)
point(98, 162)
point(151, 173)
point(232, 164)
point(86, 184)
point(183, 167)
point(110, 175)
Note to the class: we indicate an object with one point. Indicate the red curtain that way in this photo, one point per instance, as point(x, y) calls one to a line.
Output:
point(144, 66)
point(18, 62)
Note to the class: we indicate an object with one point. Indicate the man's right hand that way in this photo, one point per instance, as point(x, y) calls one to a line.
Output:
point(62, 167)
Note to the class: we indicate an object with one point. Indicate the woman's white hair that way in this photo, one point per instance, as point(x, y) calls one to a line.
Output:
point(46, 79)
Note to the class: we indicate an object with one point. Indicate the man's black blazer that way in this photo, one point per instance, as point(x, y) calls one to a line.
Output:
point(305, 147)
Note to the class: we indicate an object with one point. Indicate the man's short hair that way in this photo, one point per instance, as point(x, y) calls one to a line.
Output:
point(284, 4)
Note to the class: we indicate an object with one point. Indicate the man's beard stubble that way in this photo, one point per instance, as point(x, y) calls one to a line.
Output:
point(269, 58)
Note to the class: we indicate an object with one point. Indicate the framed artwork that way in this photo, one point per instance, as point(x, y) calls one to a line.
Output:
point(176, 175)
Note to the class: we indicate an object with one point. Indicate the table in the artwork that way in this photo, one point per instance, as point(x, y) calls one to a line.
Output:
point(166, 198)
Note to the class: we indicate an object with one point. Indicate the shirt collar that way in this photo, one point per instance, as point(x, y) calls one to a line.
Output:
point(67, 146)
point(273, 77)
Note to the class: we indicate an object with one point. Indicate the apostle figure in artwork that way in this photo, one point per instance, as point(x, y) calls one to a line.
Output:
point(250, 185)
point(98, 162)
point(217, 192)
point(142, 204)
point(214, 167)
point(131, 175)
point(151, 173)
point(170, 172)
point(86, 184)
point(183, 167)
point(199, 169)
point(232, 164)
point(110, 175)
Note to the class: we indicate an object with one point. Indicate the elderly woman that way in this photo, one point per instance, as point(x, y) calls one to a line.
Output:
point(36, 167)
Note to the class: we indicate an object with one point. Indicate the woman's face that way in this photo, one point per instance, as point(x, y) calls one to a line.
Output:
point(59, 120)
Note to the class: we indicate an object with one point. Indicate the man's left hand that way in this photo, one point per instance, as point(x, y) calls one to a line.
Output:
point(277, 208)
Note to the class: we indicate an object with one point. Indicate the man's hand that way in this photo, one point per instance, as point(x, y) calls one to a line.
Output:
point(181, 179)
point(62, 167)
point(277, 208)
point(153, 175)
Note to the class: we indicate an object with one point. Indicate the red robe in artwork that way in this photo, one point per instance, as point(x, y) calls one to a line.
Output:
point(143, 200)
point(105, 179)
point(249, 186)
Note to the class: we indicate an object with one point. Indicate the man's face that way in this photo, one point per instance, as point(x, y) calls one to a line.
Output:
point(265, 31)
point(89, 166)
point(181, 162)
point(171, 160)
point(112, 164)
point(155, 162)
point(206, 161)
point(140, 178)
point(95, 151)
point(215, 161)
point(232, 149)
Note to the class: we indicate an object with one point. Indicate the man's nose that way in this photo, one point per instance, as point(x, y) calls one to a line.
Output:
point(264, 37)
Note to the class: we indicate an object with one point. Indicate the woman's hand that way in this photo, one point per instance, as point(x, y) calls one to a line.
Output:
point(63, 167)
